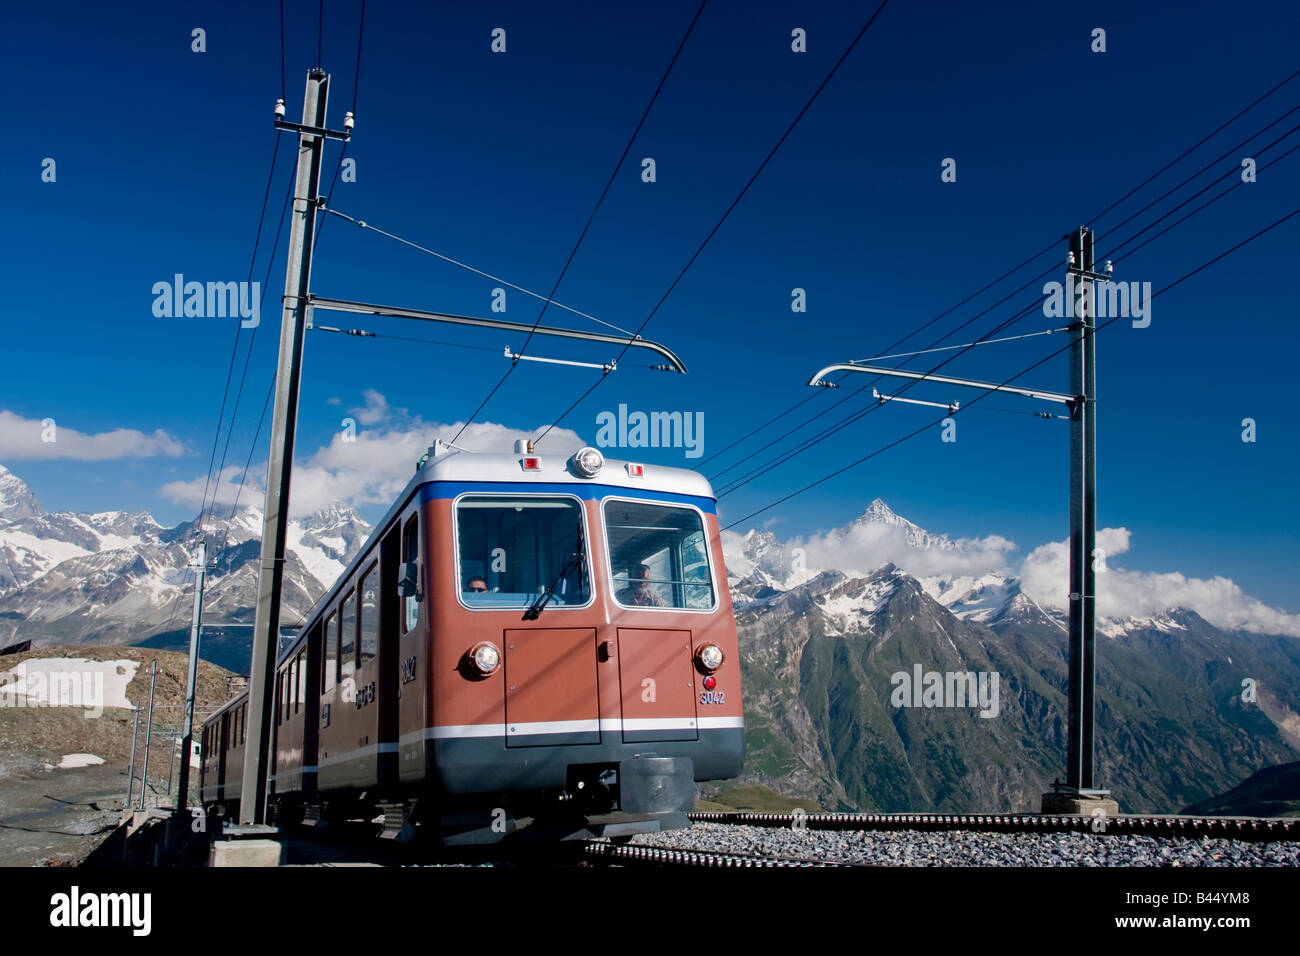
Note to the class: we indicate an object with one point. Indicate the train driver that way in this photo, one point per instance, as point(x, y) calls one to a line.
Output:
point(638, 592)
point(476, 584)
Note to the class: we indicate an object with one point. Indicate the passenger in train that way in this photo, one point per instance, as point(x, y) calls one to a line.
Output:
point(476, 584)
point(638, 592)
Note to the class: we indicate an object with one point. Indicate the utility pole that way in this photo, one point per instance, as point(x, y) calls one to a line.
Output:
point(191, 680)
point(148, 733)
point(297, 285)
point(130, 784)
point(1079, 784)
point(1079, 794)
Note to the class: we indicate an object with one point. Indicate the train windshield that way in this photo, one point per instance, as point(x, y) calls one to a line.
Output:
point(511, 549)
point(659, 556)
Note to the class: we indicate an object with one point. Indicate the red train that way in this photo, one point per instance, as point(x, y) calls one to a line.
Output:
point(525, 640)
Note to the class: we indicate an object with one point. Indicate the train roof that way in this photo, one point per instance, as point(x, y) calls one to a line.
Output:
point(457, 465)
point(446, 463)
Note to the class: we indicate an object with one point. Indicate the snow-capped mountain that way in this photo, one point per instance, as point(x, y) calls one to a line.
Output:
point(759, 565)
point(974, 588)
point(117, 576)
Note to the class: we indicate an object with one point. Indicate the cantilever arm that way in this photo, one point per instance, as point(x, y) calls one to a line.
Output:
point(947, 380)
point(362, 308)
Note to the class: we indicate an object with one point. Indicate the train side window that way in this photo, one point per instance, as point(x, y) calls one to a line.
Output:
point(330, 638)
point(411, 554)
point(348, 639)
point(368, 644)
point(300, 680)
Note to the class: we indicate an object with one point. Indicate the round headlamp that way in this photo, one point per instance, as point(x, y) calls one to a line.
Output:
point(485, 657)
point(587, 462)
point(709, 656)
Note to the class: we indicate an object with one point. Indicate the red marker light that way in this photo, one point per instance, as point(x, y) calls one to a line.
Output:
point(710, 682)
point(636, 471)
point(532, 464)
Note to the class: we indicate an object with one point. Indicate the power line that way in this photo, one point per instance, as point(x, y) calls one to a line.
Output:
point(967, 345)
point(590, 219)
point(982, 395)
point(363, 224)
point(821, 436)
point(356, 85)
point(234, 349)
point(718, 225)
point(270, 264)
point(1186, 152)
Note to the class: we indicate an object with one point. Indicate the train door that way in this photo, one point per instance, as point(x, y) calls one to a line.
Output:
point(388, 652)
point(414, 611)
point(659, 563)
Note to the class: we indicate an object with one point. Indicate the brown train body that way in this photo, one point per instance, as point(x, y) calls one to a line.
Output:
point(596, 716)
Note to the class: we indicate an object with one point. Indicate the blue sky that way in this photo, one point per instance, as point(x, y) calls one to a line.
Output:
point(496, 159)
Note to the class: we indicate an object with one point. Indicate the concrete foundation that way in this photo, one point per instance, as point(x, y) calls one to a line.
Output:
point(1065, 804)
point(246, 853)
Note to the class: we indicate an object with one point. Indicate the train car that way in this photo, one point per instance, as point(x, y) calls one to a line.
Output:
point(221, 755)
point(525, 640)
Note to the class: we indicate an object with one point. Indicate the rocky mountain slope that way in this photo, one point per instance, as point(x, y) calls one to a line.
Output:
point(841, 705)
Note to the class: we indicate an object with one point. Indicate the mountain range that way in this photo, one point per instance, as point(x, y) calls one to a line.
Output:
point(866, 687)
point(831, 660)
point(114, 577)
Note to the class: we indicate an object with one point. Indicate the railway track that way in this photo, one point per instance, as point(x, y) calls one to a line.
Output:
point(1239, 828)
point(696, 859)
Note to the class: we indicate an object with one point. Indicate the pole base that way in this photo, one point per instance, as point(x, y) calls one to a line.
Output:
point(1082, 803)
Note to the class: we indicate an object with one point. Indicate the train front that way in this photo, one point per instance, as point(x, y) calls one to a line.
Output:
point(586, 670)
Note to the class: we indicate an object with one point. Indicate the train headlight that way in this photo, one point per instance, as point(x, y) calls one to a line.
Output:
point(709, 656)
point(485, 657)
point(587, 462)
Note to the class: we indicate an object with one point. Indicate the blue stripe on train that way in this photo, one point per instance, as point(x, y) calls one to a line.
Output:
point(592, 492)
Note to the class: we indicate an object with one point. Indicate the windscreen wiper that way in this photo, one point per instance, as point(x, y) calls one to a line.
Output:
point(576, 560)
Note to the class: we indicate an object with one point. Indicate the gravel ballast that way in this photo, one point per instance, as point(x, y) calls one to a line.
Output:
point(974, 848)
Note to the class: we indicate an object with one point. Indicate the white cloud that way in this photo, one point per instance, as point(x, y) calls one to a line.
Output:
point(370, 469)
point(862, 548)
point(27, 439)
point(1124, 594)
point(191, 492)
point(374, 411)
point(374, 467)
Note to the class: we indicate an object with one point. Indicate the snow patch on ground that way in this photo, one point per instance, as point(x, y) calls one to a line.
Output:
point(49, 682)
point(72, 761)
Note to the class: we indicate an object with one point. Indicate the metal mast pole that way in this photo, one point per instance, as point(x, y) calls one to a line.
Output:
point(297, 281)
point(130, 784)
point(1083, 517)
point(148, 734)
point(183, 800)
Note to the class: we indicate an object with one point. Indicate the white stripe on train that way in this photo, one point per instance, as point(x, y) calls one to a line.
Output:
point(630, 725)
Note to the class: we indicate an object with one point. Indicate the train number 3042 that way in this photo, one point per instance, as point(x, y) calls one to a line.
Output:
point(713, 697)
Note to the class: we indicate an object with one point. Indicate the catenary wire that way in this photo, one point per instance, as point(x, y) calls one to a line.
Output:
point(718, 225)
point(1008, 381)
